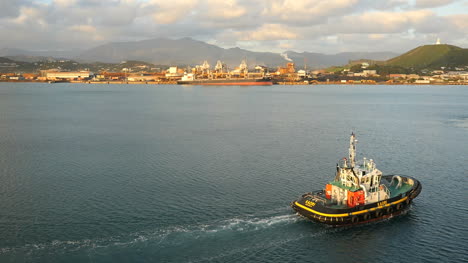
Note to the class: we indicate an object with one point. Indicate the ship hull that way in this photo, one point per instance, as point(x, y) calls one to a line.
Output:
point(357, 215)
point(227, 82)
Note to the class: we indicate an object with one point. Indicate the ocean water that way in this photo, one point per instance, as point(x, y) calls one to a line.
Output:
point(144, 173)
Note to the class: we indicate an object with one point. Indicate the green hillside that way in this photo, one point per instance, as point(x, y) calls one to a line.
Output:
point(454, 58)
point(431, 57)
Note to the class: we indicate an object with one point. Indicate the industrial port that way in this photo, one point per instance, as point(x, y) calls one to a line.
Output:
point(357, 72)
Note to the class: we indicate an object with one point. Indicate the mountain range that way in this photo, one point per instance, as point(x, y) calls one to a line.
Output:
point(34, 56)
point(187, 51)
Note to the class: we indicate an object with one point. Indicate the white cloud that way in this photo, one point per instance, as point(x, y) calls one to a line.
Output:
point(306, 11)
point(167, 12)
point(305, 25)
point(460, 21)
point(432, 3)
point(83, 28)
point(285, 45)
point(380, 22)
point(222, 10)
point(65, 3)
point(267, 32)
point(10, 8)
point(30, 16)
point(376, 36)
point(87, 31)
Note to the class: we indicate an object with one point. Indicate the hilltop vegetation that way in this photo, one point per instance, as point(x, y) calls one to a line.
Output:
point(420, 60)
point(431, 57)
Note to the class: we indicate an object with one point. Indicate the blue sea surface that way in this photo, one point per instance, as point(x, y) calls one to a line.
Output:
point(147, 173)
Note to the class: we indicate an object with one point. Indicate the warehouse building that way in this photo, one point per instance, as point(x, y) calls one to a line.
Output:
point(70, 75)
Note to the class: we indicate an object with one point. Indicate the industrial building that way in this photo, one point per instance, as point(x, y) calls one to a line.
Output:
point(53, 75)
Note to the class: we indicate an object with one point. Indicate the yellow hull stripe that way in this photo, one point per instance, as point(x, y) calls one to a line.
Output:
point(349, 214)
point(318, 213)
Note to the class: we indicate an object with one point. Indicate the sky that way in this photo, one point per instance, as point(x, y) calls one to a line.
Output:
point(323, 26)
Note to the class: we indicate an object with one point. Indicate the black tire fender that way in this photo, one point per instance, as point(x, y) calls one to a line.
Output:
point(389, 210)
point(366, 216)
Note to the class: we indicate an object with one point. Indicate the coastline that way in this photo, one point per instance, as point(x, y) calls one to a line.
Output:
point(279, 83)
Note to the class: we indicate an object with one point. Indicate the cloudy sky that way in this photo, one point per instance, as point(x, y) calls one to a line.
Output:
point(326, 26)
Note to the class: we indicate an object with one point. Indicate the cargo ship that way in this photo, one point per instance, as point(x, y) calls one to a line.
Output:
point(221, 76)
point(359, 194)
point(190, 80)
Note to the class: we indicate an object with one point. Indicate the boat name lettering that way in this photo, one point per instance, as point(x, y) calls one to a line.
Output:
point(309, 203)
point(382, 203)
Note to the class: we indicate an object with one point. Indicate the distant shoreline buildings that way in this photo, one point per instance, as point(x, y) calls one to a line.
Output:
point(449, 66)
point(282, 75)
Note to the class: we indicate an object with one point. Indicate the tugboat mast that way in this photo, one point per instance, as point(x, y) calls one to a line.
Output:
point(352, 149)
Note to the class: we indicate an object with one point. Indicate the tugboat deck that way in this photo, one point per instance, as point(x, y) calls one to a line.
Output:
point(394, 191)
point(319, 196)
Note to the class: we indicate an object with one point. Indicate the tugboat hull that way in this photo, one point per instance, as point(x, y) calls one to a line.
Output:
point(310, 206)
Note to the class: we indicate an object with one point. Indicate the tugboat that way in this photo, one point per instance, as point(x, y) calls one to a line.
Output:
point(358, 194)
